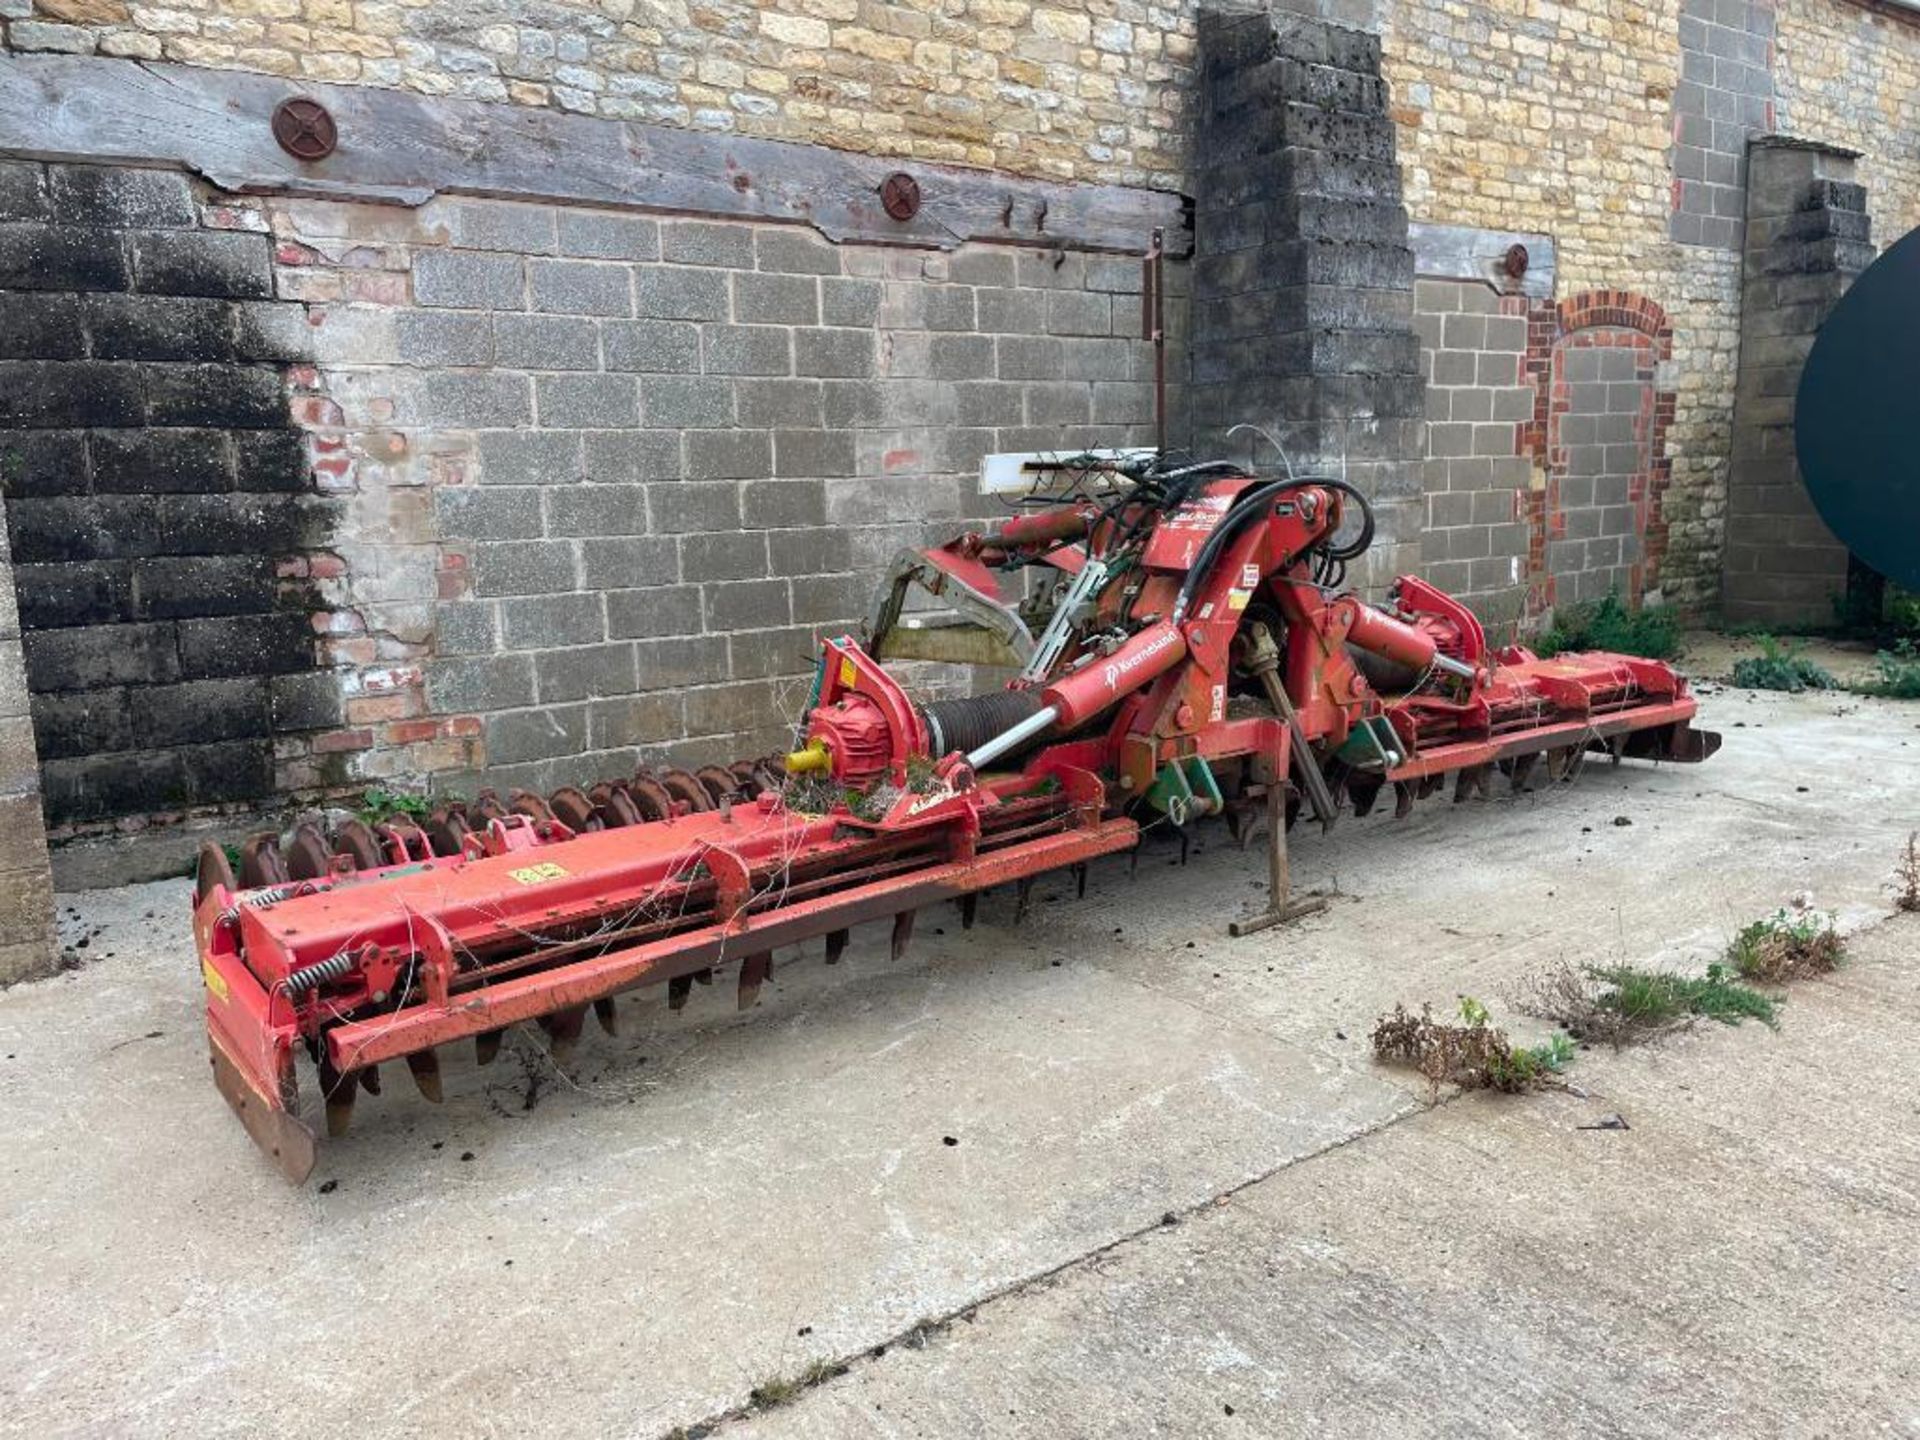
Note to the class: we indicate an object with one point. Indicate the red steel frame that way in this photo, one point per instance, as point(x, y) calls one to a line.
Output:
point(536, 921)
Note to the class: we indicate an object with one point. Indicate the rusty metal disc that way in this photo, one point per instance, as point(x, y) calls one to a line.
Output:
point(534, 807)
point(487, 807)
point(682, 785)
point(650, 796)
point(900, 196)
point(305, 128)
point(573, 809)
point(354, 840)
point(213, 870)
point(614, 805)
point(719, 782)
point(260, 862)
point(447, 831)
point(307, 854)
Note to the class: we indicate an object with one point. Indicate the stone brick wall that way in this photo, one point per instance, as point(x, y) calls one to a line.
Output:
point(156, 491)
point(1476, 540)
point(1078, 89)
point(605, 478)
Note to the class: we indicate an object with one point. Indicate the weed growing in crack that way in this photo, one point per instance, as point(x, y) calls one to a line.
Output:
point(1908, 874)
point(1472, 1053)
point(771, 1394)
point(1787, 945)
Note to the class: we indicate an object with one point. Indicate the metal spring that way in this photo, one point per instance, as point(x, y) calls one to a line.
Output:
point(312, 977)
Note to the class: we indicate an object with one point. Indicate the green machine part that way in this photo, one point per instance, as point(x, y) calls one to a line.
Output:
point(1185, 789)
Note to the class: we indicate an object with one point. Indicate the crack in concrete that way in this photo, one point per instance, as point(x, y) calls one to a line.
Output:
point(929, 1326)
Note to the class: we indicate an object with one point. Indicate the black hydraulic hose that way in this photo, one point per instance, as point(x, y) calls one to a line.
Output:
point(1251, 506)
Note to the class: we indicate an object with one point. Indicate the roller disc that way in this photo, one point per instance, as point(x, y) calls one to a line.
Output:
point(534, 807)
point(211, 871)
point(719, 782)
point(260, 862)
point(307, 855)
point(650, 797)
point(573, 809)
point(684, 786)
point(354, 840)
point(447, 832)
point(615, 806)
point(487, 808)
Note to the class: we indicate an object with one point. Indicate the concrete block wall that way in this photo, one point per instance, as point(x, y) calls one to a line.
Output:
point(28, 946)
point(1725, 94)
point(156, 491)
point(1476, 541)
point(1601, 437)
point(605, 478)
point(1808, 238)
point(1303, 285)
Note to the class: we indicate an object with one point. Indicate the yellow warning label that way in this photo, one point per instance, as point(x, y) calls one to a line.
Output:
point(534, 874)
point(847, 673)
point(216, 982)
point(1237, 599)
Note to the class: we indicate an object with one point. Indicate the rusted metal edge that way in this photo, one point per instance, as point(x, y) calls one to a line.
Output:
point(400, 148)
point(282, 1137)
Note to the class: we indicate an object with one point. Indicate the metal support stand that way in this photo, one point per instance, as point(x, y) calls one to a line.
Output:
point(1280, 907)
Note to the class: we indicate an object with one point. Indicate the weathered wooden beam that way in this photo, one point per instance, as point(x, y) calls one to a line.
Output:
point(404, 148)
point(1465, 252)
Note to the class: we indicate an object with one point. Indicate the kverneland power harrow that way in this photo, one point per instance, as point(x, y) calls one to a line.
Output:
point(1182, 648)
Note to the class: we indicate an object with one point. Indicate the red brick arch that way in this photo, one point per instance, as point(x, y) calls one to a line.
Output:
point(1613, 318)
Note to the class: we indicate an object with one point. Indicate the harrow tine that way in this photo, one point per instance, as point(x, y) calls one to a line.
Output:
point(969, 909)
point(836, 945)
point(370, 1079)
point(1558, 760)
point(1402, 799)
point(1364, 792)
point(339, 1091)
point(1522, 771)
point(754, 971)
point(424, 1065)
point(1022, 899)
point(486, 1046)
point(563, 1029)
point(1469, 781)
point(1079, 872)
point(604, 1012)
point(678, 988)
point(902, 933)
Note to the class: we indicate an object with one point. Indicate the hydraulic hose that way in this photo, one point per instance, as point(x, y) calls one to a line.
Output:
point(1251, 506)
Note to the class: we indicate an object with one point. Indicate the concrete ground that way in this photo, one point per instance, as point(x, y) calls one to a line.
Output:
point(996, 1129)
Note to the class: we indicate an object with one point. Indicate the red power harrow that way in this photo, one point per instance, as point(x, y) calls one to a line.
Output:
point(1183, 650)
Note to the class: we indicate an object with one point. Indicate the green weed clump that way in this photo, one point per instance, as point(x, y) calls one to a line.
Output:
point(1647, 1000)
point(1898, 670)
point(1780, 666)
point(377, 805)
point(1787, 945)
point(1653, 634)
